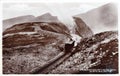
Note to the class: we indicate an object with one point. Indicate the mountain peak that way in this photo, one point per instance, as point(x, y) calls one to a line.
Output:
point(47, 17)
point(46, 14)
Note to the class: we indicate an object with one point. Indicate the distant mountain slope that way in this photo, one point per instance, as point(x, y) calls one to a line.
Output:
point(92, 54)
point(104, 18)
point(47, 17)
point(21, 19)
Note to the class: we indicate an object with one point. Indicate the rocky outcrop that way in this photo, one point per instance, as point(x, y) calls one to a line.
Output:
point(81, 28)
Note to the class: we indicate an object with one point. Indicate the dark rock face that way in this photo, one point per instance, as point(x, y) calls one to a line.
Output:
point(97, 54)
point(81, 28)
point(110, 59)
point(29, 45)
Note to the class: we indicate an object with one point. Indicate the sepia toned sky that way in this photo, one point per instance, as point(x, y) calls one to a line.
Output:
point(11, 10)
point(64, 11)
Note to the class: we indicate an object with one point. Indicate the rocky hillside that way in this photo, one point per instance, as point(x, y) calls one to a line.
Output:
point(34, 44)
point(24, 51)
point(97, 54)
point(29, 45)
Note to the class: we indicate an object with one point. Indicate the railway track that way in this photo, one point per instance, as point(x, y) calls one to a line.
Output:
point(53, 63)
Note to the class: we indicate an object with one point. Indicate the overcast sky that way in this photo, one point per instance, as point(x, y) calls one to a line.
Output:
point(11, 10)
point(64, 11)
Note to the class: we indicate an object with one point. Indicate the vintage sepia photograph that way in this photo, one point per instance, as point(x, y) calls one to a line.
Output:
point(60, 38)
